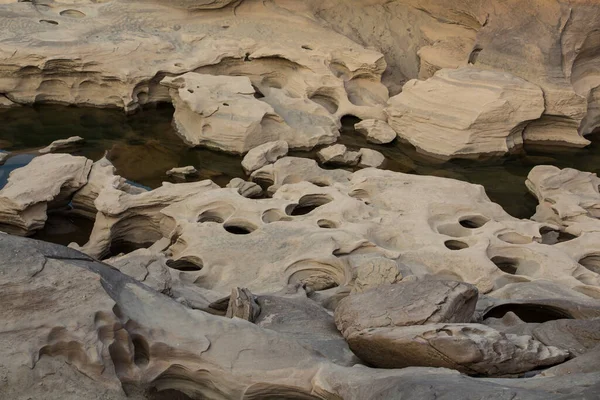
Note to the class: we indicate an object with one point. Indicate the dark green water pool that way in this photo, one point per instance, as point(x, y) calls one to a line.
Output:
point(144, 146)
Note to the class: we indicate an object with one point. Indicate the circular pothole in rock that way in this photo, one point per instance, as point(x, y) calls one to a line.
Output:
point(327, 224)
point(552, 236)
point(274, 215)
point(473, 222)
point(591, 262)
point(218, 215)
point(308, 203)
point(72, 14)
point(514, 238)
point(506, 264)
point(456, 245)
point(185, 265)
point(239, 228)
point(536, 313)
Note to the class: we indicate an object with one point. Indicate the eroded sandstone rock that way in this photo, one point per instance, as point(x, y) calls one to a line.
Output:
point(182, 173)
point(338, 154)
point(46, 182)
point(246, 189)
point(467, 112)
point(376, 131)
point(470, 348)
point(62, 145)
point(264, 154)
point(221, 112)
point(406, 304)
point(370, 158)
point(102, 334)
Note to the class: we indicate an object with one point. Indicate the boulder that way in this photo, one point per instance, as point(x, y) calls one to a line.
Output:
point(264, 154)
point(406, 304)
point(472, 349)
point(45, 183)
point(370, 158)
point(465, 113)
point(376, 131)
point(102, 175)
point(182, 173)
point(62, 145)
point(338, 154)
point(376, 272)
point(221, 112)
point(246, 189)
point(102, 334)
point(4, 155)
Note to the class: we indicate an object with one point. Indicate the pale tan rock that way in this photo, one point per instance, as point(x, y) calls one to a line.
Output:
point(264, 154)
point(102, 175)
point(376, 272)
point(221, 112)
point(134, 219)
point(376, 131)
point(62, 145)
point(469, 348)
point(46, 182)
point(466, 112)
point(406, 304)
point(246, 189)
point(100, 330)
point(242, 304)
point(182, 173)
point(568, 198)
point(338, 154)
point(294, 170)
point(370, 158)
point(4, 156)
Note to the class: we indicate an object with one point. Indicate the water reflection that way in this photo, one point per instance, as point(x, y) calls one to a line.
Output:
point(142, 146)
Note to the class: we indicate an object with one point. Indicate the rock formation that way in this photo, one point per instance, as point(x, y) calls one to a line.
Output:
point(264, 154)
point(46, 182)
point(303, 281)
point(466, 112)
point(182, 173)
point(106, 335)
point(376, 131)
point(338, 154)
point(62, 145)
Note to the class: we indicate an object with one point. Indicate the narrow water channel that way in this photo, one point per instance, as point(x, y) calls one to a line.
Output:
point(144, 146)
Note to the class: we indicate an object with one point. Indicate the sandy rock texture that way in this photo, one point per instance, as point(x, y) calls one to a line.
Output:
point(465, 112)
point(45, 183)
point(419, 38)
point(309, 64)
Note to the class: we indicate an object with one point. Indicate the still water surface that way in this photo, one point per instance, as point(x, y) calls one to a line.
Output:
point(144, 146)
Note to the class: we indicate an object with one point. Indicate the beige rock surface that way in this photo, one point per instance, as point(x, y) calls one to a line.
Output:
point(101, 334)
point(405, 304)
point(182, 173)
point(221, 112)
point(62, 145)
point(338, 154)
point(370, 158)
point(376, 131)
point(46, 182)
point(470, 348)
point(264, 154)
point(246, 189)
point(466, 112)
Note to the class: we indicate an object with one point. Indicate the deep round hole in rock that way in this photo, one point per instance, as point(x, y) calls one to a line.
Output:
point(473, 222)
point(456, 245)
point(506, 264)
point(185, 265)
point(538, 313)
